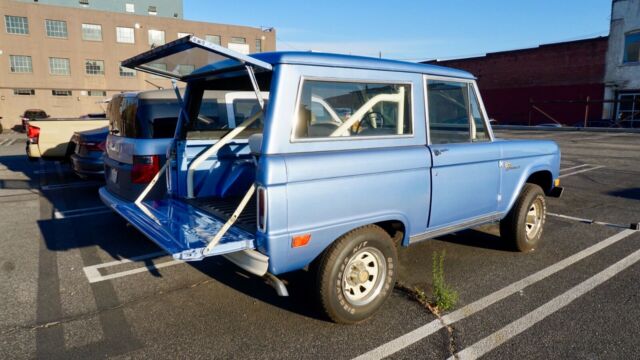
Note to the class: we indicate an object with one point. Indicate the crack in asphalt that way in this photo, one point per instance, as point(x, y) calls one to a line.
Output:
point(413, 294)
point(92, 314)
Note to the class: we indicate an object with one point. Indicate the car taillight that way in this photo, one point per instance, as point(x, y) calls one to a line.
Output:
point(144, 168)
point(262, 209)
point(93, 146)
point(33, 133)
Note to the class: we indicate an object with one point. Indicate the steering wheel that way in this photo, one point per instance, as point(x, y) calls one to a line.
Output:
point(374, 117)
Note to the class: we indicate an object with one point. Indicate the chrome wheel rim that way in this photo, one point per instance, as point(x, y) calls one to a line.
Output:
point(363, 277)
point(533, 221)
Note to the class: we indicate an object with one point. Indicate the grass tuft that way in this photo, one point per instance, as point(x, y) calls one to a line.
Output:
point(444, 298)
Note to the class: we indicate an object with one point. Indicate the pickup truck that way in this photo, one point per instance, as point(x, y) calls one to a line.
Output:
point(51, 137)
point(351, 158)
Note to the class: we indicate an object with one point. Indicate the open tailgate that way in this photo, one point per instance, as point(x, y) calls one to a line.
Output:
point(191, 57)
point(179, 228)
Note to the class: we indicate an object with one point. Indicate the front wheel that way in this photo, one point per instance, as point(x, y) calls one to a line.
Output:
point(356, 274)
point(524, 224)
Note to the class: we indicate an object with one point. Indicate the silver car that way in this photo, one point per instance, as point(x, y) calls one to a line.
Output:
point(141, 126)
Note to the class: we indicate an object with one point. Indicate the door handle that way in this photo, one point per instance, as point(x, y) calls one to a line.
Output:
point(438, 152)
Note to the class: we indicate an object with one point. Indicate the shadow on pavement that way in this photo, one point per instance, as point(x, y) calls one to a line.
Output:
point(632, 193)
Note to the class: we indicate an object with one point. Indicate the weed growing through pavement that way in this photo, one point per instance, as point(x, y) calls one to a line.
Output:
point(444, 298)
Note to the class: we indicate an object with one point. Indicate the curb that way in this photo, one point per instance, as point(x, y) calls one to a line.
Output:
point(566, 128)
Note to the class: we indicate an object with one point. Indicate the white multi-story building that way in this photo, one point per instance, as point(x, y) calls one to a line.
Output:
point(622, 76)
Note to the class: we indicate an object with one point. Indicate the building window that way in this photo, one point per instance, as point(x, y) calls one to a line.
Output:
point(153, 10)
point(92, 32)
point(101, 93)
point(94, 67)
point(125, 35)
point(238, 40)
point(20, 64)
point(26, 92)
point(59, 66)
point(632, 47)
point(258, 45)
point(213, 39)
point(56, 28)
point(181, 35)
point(16, 24)
point(61, 92)
point(126, 72)
point(629, 109)
point(156, 37)
point(129, 8)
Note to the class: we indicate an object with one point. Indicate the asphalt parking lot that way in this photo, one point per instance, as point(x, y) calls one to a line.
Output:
point(78, 282)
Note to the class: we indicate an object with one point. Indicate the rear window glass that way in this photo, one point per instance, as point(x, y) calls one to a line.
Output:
point(137, 118)
point(35, 114)
point(214, 120)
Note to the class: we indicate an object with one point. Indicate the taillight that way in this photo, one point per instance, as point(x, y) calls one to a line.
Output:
point(262, 209)
point(144, 168)
point(33, 133)
point(93, 146)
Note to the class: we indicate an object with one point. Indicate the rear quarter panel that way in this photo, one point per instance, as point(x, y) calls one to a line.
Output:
point(330, 194)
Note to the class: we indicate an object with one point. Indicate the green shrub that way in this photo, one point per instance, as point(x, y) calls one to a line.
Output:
point(444, 297)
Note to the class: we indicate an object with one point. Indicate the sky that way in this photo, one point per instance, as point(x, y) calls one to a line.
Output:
point(412, 30)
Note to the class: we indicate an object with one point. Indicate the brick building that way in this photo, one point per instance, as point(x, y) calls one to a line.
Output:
point(555, 78)
point(66, 59)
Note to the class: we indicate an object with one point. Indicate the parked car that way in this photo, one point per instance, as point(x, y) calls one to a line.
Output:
point(32, 114)
point(142, 125)
point(87, 159)
point(51, 138)
point(299, 184)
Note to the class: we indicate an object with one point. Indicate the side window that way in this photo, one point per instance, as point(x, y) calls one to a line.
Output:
point(349, 109)
point(479, 131)
point(454, 113)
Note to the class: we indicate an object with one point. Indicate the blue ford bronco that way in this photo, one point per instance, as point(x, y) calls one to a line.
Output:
point(349, 158)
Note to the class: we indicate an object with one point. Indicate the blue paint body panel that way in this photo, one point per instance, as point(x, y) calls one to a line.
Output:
point(328, 187)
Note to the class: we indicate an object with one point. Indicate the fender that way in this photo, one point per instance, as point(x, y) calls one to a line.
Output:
point(541, 164)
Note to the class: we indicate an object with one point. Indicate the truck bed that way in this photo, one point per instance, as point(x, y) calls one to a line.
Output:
point(223, 208)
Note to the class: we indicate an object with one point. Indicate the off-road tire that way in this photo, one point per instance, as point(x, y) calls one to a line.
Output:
point(332, 265)
point(513, 228)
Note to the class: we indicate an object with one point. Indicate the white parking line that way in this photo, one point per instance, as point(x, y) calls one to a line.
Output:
point(574, 167)
point(80, 212)
point(93, 274)
point(581, 171)
point(4, 142)
point(12, 142)
point(70, 185)
point(503, 335)
point(422, 332)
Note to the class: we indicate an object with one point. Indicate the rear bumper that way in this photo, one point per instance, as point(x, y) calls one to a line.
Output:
point(87, 166)
point(33, 151)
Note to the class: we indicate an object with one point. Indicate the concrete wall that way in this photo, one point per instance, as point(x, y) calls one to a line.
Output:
point(40, 47)
point(165, 8)
point(625, 18)
point(565, 71)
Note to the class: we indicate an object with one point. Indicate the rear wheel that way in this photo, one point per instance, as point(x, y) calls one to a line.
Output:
point(356, 274)
point(524, 224)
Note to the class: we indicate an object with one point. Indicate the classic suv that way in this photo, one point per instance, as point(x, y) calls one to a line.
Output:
point(351, 158)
